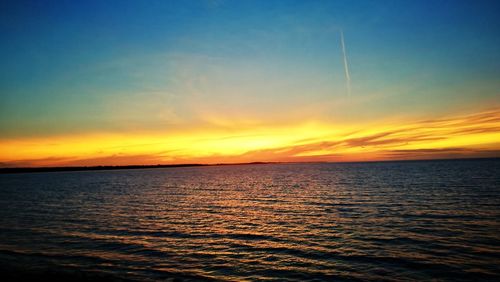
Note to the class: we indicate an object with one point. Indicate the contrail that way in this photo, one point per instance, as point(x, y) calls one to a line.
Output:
point(346, 67)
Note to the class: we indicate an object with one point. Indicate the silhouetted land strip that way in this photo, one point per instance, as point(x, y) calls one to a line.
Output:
point(85, 168)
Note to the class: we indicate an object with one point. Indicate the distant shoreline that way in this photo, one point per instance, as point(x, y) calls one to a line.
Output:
point(7, 170)
point(110, 167)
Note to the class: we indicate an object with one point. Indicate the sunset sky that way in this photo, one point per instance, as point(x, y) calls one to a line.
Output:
point(166, 82)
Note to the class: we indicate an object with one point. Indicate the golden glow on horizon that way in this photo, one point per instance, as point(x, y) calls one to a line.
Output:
point(463, 136)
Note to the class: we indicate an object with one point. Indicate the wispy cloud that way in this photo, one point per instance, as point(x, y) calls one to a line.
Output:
point(473, 135)
point(346, 66)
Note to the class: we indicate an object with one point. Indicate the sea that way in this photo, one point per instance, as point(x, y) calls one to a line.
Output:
point(375, 221)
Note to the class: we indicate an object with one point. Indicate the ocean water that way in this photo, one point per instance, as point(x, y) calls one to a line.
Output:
point(288, 222)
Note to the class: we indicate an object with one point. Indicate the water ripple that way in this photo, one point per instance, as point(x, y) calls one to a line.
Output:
point(288, 222)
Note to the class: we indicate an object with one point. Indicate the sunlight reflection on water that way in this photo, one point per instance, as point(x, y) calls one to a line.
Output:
point(392, 221)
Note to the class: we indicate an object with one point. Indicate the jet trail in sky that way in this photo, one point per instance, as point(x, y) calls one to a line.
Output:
point(346, 67)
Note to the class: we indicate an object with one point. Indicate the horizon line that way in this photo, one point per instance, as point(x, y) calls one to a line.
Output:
point(10, 170)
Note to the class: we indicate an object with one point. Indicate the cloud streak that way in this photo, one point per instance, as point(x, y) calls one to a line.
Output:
point(346, 67)
point(473, 135)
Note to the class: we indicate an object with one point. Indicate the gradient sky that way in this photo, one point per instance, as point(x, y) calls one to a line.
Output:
point(147, 82)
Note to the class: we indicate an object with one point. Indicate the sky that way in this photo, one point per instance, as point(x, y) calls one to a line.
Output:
point(167, 82)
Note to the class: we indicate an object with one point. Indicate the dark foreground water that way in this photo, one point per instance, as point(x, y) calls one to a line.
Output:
point(366, 221)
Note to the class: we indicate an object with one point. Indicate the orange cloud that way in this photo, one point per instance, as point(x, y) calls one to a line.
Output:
point(474, 135)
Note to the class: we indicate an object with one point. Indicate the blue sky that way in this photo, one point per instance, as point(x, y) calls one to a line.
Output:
point(75, 67)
